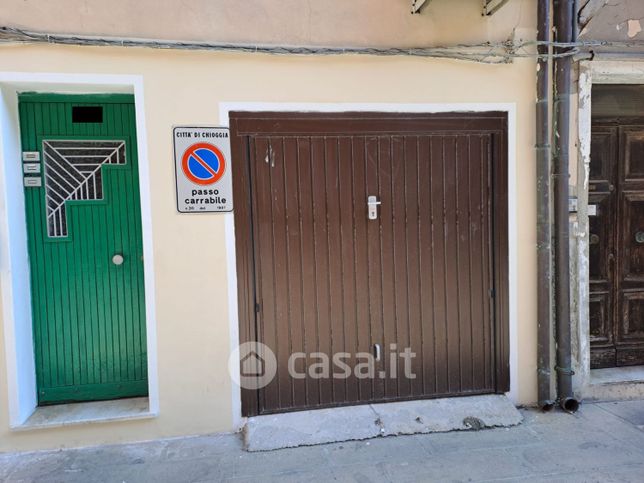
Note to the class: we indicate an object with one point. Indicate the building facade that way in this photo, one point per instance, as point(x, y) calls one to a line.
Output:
point(119, 312)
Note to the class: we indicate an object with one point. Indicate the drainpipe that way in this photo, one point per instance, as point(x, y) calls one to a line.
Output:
point(564, 18)
point(544, 232)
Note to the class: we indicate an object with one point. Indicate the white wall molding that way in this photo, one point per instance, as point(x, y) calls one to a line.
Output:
point(590, 72)
point(226, 107)
point(14, 266)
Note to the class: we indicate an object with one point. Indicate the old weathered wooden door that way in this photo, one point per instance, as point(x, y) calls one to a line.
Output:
point(318, 275)
point(617, 244)
point(85, 246)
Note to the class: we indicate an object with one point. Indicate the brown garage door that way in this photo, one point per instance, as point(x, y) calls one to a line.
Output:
point(420, 289)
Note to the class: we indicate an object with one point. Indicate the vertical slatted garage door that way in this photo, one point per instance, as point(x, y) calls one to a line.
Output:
point(316, 275)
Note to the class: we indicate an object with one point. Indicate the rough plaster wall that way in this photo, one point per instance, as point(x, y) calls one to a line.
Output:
point(296, 22)
point(579, 281)
point(617, 20)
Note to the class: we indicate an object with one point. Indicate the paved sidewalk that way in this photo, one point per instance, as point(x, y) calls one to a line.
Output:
point(603, 442)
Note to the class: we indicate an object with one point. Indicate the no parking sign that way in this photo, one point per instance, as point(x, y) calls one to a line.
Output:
point(202, 169)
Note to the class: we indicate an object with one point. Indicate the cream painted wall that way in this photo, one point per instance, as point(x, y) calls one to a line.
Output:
point(292, 22)
point(192, 302)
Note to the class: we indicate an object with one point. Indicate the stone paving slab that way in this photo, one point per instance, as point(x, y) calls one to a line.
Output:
point(630, 411)
point(594, 445)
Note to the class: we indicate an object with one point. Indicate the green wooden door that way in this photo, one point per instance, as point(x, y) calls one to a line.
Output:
point(85, 246)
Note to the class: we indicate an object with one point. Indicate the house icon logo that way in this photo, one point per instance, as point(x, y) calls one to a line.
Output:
point(252, 365)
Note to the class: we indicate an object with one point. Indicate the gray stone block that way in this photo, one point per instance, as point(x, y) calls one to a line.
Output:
point(450, 414)
point(305, 428)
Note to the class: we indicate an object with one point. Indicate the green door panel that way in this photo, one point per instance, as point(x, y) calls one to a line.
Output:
point(88, 312)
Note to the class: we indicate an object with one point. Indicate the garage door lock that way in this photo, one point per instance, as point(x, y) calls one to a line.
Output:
point(372, 207)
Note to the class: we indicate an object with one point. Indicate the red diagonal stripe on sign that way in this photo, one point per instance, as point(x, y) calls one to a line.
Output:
point(204, 164)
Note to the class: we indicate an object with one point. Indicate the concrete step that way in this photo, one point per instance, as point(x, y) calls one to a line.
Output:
point(307, 428)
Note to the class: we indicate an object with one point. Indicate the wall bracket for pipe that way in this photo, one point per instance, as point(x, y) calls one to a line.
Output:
point(565, 370)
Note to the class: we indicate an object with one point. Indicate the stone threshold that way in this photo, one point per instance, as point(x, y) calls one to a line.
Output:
point(88, 412)
point(617, 374)
point(615, 384)
point(321, 426)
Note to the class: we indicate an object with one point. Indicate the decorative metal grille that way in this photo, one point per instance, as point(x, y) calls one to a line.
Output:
point(73, 172)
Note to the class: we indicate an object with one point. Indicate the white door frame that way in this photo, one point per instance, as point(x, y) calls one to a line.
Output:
point(590, 72)
point(226, 107)
point(14, 263)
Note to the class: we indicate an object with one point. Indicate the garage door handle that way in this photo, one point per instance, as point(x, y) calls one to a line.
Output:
point(372, 207)
point(376, 351)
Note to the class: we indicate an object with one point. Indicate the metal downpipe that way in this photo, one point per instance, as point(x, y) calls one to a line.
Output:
point(544, 222)
point(564, 17)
